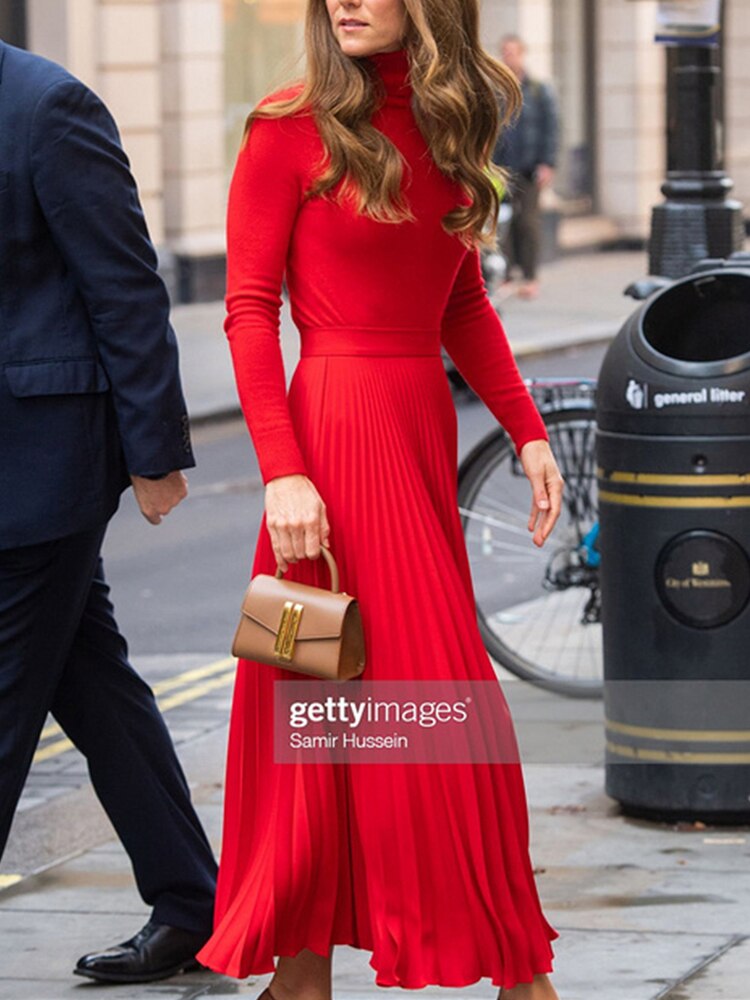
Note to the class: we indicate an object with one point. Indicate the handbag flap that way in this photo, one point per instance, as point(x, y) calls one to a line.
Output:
point(323, 611)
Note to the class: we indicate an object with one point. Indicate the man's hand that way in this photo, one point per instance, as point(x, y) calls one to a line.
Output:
point(156, 497)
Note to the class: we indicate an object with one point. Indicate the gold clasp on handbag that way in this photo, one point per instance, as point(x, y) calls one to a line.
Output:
point(288, 626)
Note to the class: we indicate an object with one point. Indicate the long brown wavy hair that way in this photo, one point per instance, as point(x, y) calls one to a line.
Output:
point(461, 99)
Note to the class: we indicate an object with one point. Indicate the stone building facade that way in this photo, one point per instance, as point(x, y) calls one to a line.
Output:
point(180, 76)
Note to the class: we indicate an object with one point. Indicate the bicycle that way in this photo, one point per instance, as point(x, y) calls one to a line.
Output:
point(539, 610)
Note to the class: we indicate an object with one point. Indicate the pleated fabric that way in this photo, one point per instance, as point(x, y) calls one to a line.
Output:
point(425, 865)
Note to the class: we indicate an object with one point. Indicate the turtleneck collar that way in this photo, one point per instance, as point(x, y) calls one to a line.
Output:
point(393, 70)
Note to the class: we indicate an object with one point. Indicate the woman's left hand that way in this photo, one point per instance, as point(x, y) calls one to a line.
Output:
point(547, 484)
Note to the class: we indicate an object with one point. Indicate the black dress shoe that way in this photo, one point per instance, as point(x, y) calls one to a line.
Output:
point(157, 951)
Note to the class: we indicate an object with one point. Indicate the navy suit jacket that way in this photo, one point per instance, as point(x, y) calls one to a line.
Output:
point(89, 382)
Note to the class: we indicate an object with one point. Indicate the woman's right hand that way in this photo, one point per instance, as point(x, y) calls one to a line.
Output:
point(296, 519)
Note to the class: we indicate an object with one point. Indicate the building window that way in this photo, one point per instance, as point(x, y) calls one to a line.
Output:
point(264, 50)
point(13, 22)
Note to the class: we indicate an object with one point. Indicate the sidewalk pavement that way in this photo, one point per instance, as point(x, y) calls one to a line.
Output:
point(581, 302)
point(645, 910)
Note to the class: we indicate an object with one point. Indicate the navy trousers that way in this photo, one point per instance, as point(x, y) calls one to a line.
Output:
point(61, 651)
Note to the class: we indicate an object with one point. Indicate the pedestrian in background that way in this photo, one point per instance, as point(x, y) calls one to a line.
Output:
point(528, 149)
point(90, 403)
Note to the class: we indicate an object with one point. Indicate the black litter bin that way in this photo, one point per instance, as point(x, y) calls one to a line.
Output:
point(673, 456)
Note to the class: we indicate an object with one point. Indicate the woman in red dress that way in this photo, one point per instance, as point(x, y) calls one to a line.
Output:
point(366, 187)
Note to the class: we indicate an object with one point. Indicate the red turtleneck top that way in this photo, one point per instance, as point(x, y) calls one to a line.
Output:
point(343, 269)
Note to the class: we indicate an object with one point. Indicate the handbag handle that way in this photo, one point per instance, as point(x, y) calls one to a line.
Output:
point(331, 566)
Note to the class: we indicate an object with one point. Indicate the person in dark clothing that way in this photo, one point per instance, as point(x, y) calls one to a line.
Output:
point(528, 149)
point(90, 403)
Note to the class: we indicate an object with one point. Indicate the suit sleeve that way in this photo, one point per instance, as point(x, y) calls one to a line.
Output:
point(264, 197)
point(475, 339)
point(90, 201)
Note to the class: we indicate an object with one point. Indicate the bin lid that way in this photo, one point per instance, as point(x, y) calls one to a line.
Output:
point(698, 326)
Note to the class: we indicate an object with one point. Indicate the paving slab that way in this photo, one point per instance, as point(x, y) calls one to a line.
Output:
point(726, 978)
point(637, 922)
point(645, 911)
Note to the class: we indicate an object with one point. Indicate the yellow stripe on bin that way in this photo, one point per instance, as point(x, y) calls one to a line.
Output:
point(8, 880)
point(658, 479)
point(697, 735)
point(676, 756)
point(190, 693)
point(639, 500)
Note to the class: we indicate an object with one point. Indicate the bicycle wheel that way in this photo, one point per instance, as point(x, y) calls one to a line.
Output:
point(538, 609)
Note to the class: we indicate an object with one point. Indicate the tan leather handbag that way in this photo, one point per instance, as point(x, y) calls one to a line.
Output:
point(303, 628)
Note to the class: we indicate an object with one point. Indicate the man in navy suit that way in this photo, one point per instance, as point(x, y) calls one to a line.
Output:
point(90, 403)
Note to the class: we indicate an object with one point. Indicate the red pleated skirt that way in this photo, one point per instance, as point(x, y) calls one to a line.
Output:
point(426, 865)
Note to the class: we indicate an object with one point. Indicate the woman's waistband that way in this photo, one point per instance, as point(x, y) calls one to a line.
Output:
point(393, 341)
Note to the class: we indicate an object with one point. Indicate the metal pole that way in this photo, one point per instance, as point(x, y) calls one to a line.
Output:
point(698, 219)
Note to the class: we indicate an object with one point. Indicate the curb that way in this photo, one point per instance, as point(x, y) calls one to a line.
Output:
point(534, 348)
point(208, 418)
point(527, 349)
